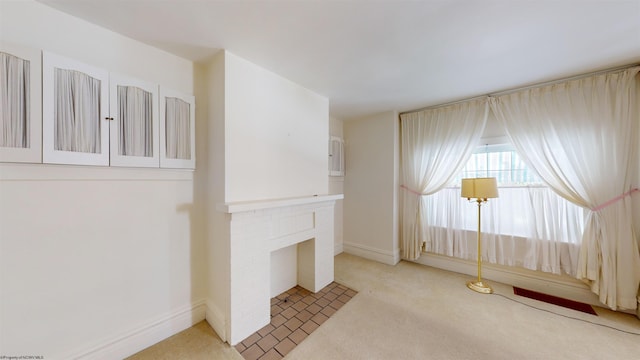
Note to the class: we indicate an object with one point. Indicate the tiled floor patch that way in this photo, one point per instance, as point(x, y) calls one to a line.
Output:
point(295, 314)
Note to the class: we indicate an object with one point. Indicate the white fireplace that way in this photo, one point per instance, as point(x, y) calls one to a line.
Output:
point(256, 229)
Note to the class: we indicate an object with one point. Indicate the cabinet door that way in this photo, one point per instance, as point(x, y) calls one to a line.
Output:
point(134, 128)
point(336, 156)
point(75, 112)
point(20, 104)
point(177, 130)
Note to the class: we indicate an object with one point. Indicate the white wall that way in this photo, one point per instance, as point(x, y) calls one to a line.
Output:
point(210, 185)
point(265, 138)
point(276, 135)
point(371, 186)
point(336, 186)
point(90, 256)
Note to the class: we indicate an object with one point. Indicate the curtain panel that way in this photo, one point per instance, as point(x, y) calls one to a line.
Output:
point(582, 137)
point(14, 101)
point(528, 226)
point(178, 127)
point(135, 110)
point(435, 145)
point(76, 112)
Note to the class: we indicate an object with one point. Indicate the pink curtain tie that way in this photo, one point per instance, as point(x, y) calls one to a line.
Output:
point(615, 199)
point(411, 191)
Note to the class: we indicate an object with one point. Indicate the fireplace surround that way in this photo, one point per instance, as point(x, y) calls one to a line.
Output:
point(256, 229)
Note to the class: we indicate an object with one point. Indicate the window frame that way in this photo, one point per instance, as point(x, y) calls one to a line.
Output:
point(497, 147)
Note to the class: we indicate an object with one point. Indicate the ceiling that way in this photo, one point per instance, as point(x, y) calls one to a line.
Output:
point(373, 56)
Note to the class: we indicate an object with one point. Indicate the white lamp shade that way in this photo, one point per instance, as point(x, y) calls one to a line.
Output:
point(479, 188)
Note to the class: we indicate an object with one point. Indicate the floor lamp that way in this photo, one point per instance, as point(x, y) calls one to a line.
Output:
point(480, 189)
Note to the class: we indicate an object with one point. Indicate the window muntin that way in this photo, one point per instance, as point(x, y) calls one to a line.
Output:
point(501, 162)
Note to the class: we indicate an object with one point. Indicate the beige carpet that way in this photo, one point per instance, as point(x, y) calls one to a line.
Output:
point(410, 311)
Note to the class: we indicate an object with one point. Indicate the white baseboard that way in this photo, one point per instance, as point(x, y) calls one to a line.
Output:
point(367, 252)
point(216, 320)
point(129, 343)
point(338, 248)
point(561, 286)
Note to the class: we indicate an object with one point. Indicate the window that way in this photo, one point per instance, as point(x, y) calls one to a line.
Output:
point(529, 225)
point(501, 162)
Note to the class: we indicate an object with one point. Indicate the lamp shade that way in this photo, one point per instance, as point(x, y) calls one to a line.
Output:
point(479, 188)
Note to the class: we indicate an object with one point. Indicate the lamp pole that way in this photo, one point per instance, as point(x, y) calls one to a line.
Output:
point(479, 250)
point(479, 286)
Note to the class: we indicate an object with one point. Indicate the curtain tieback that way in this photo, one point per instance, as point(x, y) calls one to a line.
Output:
point(615, 199)
point(411, 190)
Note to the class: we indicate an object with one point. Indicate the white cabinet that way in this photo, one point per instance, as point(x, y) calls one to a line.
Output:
point(75, 112)
point(177, 130)
point(336, 156)
point(93, 117)
point(20, 104)
point(134, 124)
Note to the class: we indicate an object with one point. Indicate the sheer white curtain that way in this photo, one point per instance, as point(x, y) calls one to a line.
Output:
point(178, 127)
point(435, 145)
point(582, 138)
point(14, 101)
point(530, 227)
point(135, 107)
point(76, 112)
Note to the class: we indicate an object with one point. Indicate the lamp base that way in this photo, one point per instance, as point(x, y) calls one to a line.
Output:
point(480, 287)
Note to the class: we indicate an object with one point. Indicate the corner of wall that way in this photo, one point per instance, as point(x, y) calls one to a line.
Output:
point(396, 186)
point(371, 181)
point(217, 320)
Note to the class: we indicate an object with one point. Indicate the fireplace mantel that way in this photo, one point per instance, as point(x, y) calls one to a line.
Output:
point(241, 206)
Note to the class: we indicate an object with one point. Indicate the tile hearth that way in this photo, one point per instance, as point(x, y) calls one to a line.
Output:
point(295, 314)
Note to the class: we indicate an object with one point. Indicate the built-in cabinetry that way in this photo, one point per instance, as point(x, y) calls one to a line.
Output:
point(20, 104)
point(134, 123)
point(75, 112)
point(90, 116)
point(336, 156)
point(177, 129)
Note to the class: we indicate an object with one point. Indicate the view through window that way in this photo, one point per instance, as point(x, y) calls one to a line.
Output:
point(501, 162)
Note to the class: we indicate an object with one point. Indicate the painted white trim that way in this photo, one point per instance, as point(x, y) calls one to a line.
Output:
point(338, 248)
point(216, 320)
point(131, 342)
point(246, 206)
point(557, 285)
point(367, 252)
point(46, 172)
